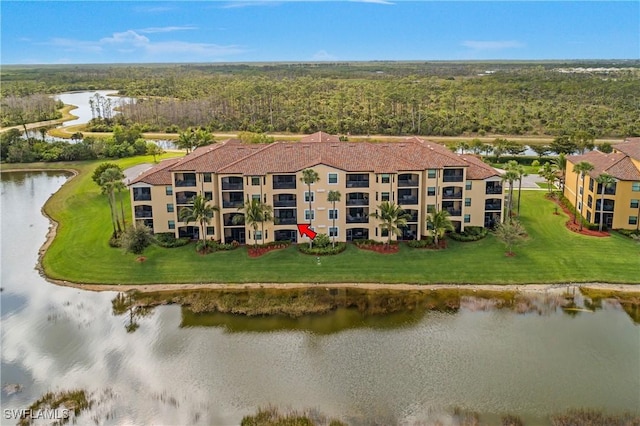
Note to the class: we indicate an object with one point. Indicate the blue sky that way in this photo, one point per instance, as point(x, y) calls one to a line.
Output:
point(54, 32)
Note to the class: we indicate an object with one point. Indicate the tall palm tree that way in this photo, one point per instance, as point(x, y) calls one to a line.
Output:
point(393, 218)
point(200, 212)
point(548, 172)
point(334, 197)
point(606, 181)
point(561, 165)
point(509, 176)
point(519, 169)
point(581, 169)
point(110, 180)
point(186, 140)
point(309, 177)
point(440, 223)
point(255, 213)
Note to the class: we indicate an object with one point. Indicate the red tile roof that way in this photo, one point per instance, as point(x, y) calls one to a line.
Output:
point(616, 164)
point(479, 169)
point(631, 147)
point(320, 137)
point(157, 175)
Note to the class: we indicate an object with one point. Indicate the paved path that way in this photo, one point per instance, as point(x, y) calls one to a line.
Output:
point(529, 182)
point(132, 172)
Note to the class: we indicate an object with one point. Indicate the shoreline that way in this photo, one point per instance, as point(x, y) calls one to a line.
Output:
point(147, 288)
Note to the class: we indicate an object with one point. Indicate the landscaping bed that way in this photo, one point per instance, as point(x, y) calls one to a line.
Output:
point(378, 246)
point(575, 227)
point(258, 251)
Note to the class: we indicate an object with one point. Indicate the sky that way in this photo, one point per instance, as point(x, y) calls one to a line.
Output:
point(65, 32)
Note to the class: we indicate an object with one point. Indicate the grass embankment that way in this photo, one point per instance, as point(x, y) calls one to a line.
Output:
point(552, 254)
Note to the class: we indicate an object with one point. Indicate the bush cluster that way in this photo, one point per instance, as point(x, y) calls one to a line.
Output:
point(360, 243)
point(169, 240)
point(423, 243)
point(628, 232)
point(322, 251)
point(470, 233)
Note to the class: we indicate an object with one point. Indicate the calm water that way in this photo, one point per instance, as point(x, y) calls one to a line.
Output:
point(81, 100)
point(177, 368)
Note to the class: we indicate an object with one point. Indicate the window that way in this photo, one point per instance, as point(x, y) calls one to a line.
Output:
point(467, 185)
point(211, 230)
point(580, 191)
point(467, 218)
point(635, 186)
point(258, 235)
point(589, 201)
point(633, 220)
point(385, 178)
point(431, 208)
point(384, 232)
point(588, 216)
point(255, 180)
point(255, 197)
point(333, 214)
point(169, 208)
point(208, 195)
point(333, 231)
point(309, 214)
point(333, 178)
point(307, 194)
point(431, 173)
point(580, 205)
point(206, 177)
point(168, 190)
point(431, 191)
point(590, 184)
point(385, 196)
point(634, 204)
point(467, 202)
point(172, 224)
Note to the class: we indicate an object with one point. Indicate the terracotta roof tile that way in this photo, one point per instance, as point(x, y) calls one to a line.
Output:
point(478, 169)
point(617, 164)
point(631, 147)
point(320, 137)
point(157, 175)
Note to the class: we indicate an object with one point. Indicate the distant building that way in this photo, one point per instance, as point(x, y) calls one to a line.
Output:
point(621, 207)
point(418, 175)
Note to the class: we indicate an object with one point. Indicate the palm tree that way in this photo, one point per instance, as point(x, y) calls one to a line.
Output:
point(519, 169)
point(581, 169)
point(606, 181)
point(440, 223)
point(186, 140)
point(334, 197)
point(548, 172)
point(200, 212)
point(309, 176)
point(393, 218)
point(255, 212)
point(561, 165)
point(510, 176)
point(110, 180)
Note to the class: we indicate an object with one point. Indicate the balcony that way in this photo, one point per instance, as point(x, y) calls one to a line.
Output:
point(609, 205)
point(227, 219)
point(408, 180)
point(454, 212)
point(453, 175)
point(453, 207)
point(407, 197)
point(232, 204)
point(608, 190)
point(284, 200)
point(284, 221)
point(185, 179)
point(232, 199)
point(357, 199)
point(185, 197)
point(493, 188)
point(358, 215)
point(413, 215)
point(284, 182)
point(142, 212)
point(232, 183)
point(285, 217)
point(451, 193)
point(141, 194)
point(357, 181)
point(493, 204)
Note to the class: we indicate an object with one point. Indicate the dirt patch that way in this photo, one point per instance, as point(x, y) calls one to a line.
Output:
point(380, 248)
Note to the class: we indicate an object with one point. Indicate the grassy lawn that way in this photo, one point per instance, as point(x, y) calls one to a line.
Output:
point(552, 254)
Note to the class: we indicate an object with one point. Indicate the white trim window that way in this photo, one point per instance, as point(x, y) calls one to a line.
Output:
point(332, 178)
point(306, 196)
point(333, 214)
point(308, 216)
point(333, 231)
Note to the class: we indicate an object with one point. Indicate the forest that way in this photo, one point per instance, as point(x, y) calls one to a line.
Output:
point(387, 98)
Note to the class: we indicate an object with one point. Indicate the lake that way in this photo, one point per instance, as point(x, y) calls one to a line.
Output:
point(181, 368)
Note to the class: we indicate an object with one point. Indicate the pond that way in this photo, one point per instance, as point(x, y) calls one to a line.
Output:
point(178, 367)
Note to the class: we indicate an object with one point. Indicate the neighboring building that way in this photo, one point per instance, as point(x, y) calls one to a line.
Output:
point(621, 207)
point(416, 174)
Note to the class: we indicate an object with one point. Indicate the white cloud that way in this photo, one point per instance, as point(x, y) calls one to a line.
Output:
point(492, 45)
point(127, 37)
point(152, 30)
point(323, 55)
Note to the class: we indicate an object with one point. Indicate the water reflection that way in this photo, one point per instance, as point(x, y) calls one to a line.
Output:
point(399, 368)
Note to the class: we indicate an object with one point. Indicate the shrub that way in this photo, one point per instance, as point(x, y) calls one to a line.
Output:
point(169, 240)
point(136, 238)
point(322, 251)
point(423, 243)
point(470, 233)
point(321, 241)
point(628, 232)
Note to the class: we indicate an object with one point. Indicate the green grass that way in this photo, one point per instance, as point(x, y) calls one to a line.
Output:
point(545, 185)
point(552, 254)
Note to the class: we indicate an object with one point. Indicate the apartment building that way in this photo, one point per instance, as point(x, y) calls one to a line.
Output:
point(621, 206)
point(418, 175)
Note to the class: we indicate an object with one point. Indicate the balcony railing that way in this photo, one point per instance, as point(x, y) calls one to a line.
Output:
point(453, 212)
point(184, 200)
point(230, 186)
point(407, 182)
point(452, 195)
point(407, 199)
point(284, 184)
point(231, 204)
point(355, 219)
point(284, 203)
point(413, 218)
point(141, 197)
point(182, 183)
point(284, 220)
point(358, 202)
point(452, 178)
point(493, 190)
point(143, 214)
point(357, 183)
point(492, 206)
